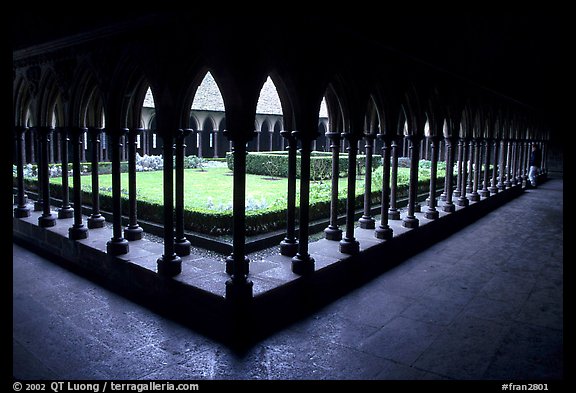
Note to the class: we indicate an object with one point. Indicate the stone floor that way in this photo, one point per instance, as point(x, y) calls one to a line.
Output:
point(486, 303)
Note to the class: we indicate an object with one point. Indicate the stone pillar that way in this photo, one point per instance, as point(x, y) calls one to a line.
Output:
point(462, 199)
point(289, 246)
point(526, 161)
point(485, 192)
point(449, 206)
point(508, 182)
point(477, 169)
point(77, 230)
point(96, 220)
point(215, 143)
point(133, 231)
point(459, 165)
point(446, 184)
point(469, 178)
point(117, 245)
point(302, 262)
point(393, 212)
point(333, 232)
point(367, 221)
point(47, 219)
point(410, 221)
point(239, 287)
point(493, 186)
point(21, 210)
point(349, 244)
point(181, 243)
point(383, 231)
point(519, 162)
point(431, 213)
point(66, 210)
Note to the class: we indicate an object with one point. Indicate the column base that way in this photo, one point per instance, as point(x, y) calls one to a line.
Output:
point(383, 233)
point(493, 190)
point(463, 201)
point(239, 292)
point(182, 247)
point(349, 246)
point(117, 247)
point(333, 233)
point(432, 214)
point(427, 202)
point(410, 222)
point(449, 208)
point(442, 197)
point(65, 212)
point(393, 214)
point(132, 233)
point(38, 206)
point(474, 197)
point(96, 221)
point(46, 221)
point(169, 266)
point(21, 212)
point(508, 184)
point(456, 194)
point(417, 208)
point(303, 264)
point(367, 222)
point(78, 232)
point(230, 264)
point(484, 193)
point(289, 247)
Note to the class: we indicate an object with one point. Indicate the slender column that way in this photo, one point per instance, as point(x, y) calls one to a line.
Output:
point(239, 287)
point(96, 220)
point(484, 193)
point(493, 187)
point(133, 231)
point(66, 210)
point(349, 244)
point(508, 182)
point(470, 163)
point(117, 245)
point(462, 199)
point(181, 243)
point(21, 210)
point(449, 206)
point(77, 230)
point(459, 165)
point(289, 246)
point(302, 262)
point(383, 231)
point(513, 158)
point(519, 162)
point(526, 164)
point(215, 142)
point(367, 221)
point(410, 221)
point(33, 145)
point(544, 160)
point(446, 184)
point(431, 213)
point(393, 212)
point(333, 232)
point(47, 219)
point(477, 169)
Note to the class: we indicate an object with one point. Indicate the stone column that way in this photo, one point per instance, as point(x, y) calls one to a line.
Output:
point(526, 161)
point(383, 231)
point(476, 174)
point(462, 199)
point(96, 220)
point(459, 166)
point(21, 210)
point(393, 212)
point(239, 287)
point(508, 182)
point(349, 244)
point(181, 243)
point(446, 185)
point(77, 230)
point(289, 246)
point(484, 193)
point(117, 245)
point(66, 210)
point(215, 143)
point(493, 187)
point(47, 219)
point(470, 177)
point(333, 232)
point(367, 221)
point(133, 231)
point(449, 206)
point(410, 221)
point(431, 213)
point(302, 262)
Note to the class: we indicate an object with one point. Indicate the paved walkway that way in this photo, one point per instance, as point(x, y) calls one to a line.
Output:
point(486, 303)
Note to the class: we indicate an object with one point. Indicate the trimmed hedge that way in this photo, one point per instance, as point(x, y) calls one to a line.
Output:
point(275, 164)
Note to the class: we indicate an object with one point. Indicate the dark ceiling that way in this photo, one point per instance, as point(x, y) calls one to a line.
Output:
point(522, 56)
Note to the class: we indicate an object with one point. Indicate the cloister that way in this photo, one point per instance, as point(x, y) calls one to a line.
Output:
point(81, 98)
